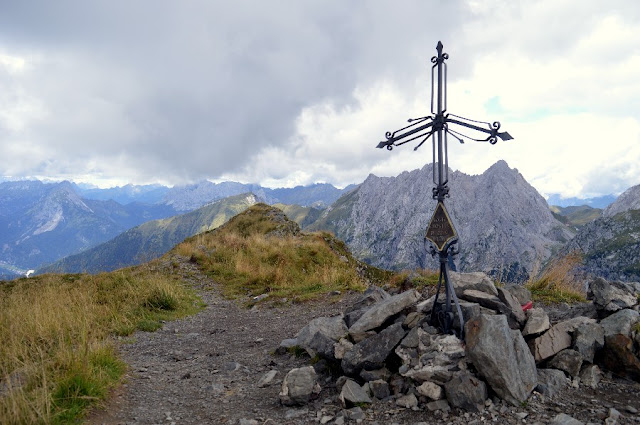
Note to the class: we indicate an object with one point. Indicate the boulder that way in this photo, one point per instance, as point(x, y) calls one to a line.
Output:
point(372, 352)
point(330, 329)
point(502, 357)
point(618, 356)
point(588, 339)
point(556, 339)
point(550, 381)
point(466, 392)
point(522, 294)
point(537, 322)
point(611, 297)
point(569, 361)
point(353, 394)
point(299, 386)
point(341, 347)
point(377, 314)
point(620, 322)
point(476, 281)
point(377, 374)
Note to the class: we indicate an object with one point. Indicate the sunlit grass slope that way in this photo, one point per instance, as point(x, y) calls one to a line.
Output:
point(55, 355)
point(261, 251)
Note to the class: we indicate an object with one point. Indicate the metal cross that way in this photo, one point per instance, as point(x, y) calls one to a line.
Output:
point(441, 232)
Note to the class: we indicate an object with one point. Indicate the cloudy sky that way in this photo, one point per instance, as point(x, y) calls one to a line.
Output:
point(295, 92)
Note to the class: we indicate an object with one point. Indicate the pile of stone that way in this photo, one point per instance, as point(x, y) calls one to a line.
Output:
point(383, 347)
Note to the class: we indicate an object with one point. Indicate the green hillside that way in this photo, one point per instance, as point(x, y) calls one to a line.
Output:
point(576, 216)
point(152, 239)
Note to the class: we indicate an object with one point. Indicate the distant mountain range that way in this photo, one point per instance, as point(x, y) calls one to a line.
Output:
point(599, 202)
point(41, 223)
point(153, 238)
point(505, 226)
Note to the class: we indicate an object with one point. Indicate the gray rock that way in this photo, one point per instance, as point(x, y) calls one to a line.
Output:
point(372, 352)
point(330, 329)
point(522, 294)
point(431, 390)
point(298, 386)
point(491, 302)
point(372, 295)
point(411, 340)
point(537, 322)
point(620, 322)
point(442, 405)
point(374, 375)
point(247, 422)
point(377, 314)
point(551, 381)
point(341, 347)
point(564, 419)
point(408, 401)
point(267, 379)
point(590, 375)
point(502, 357)
point(379, 389)
point(515, 309)
point(588, 339)
point(425, 306)
point(321, 345)
point(568, 360)
point(556, 339)
point(353, 394)
point(286, 344)
point(413, 319)
point(477, 281)
point(467, 392)
point(610, 296)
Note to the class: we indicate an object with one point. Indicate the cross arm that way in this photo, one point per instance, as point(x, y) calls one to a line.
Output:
point(493, 132)
point(394, 137)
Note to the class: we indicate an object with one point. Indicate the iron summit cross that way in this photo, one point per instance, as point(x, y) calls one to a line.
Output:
point(440, 231)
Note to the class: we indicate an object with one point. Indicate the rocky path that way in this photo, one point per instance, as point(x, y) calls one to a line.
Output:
point(206, 369)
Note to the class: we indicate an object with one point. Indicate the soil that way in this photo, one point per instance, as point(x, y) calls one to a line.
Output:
point(205, 369)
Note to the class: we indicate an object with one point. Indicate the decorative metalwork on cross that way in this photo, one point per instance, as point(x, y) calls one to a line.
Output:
point(441, 232)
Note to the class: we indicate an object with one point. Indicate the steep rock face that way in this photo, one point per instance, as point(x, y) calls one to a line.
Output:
point(505, 225)
point(629, 200)
point(610, 246)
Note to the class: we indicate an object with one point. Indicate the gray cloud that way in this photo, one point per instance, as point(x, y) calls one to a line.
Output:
point(174, 91)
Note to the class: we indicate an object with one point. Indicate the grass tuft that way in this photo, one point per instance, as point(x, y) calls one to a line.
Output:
point(559, 282)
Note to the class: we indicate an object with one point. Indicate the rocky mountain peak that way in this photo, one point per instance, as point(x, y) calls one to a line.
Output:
point(629, 200)
point(505, 225)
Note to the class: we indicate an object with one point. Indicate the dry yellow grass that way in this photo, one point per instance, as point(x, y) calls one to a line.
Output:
point(559, 282)
point(55, 356)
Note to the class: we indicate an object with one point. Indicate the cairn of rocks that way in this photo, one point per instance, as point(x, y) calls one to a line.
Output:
point(383, 348)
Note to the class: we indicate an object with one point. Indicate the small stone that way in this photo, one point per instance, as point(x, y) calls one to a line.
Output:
point(267, 379)
point(442, 405)
point(408, 401)
point(564, 419)
point(325, 419)
point(247, 422)
point(431, 390)
point(631, 409)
